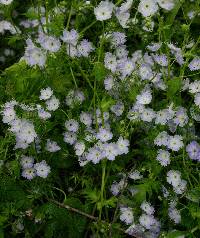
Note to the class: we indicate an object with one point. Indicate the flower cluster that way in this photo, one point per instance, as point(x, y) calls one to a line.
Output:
point(31, 170)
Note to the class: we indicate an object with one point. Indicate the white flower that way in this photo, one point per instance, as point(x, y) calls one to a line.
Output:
point(79, 148)
point(146, 207)
point(123, 18)
point(25, 133)
point(43, 114)
point(163, 116)
point(174, 215)
point(161, 59)
point(104, 135)
point(162, 139)
point(70, 137)
point(175, 142)
point(126, 215)
point(94, 155)
point(174, 178)
point(117, 187)
point(42, 169)
point(46, 93)
point(147, 221)
point(28, 173)
point(52, 146)
point(166, 4)
point(9, 115)
point(122, 145)
point(154, 46)
point(71, 50)
point(109, 83)
point(135, 175)
point(109, 151)
point(110, 62)
point(181, 187)
point(194, 64)
point(147, 7)
point(86, 118)
point(163, 157)
point(70, 37)
point(34, 55)
point(197, 99)
point(117, 109)
point(104, 10)
point(72, 125)
point(145, 97)
point(6, 2)
point(194, 87)
point(147, 115)
point(27, 162)
point(145, 72)
point(52, 104)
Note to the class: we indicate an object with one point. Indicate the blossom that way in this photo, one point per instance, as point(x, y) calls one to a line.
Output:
point(154, 46)
point(147, 115)
point(34, 55)
point(43, 114)
point(166, 4)
point(174, 178)
point(174, 215)
point(6, 2)
point(147, 221)
point(110, 62)
point(145, 72)
point(46, 93)
point(145, 97)
point(194, 87)
point(72, 125)
point(84, 48)
point(126, 215)
point(146, 207)
point(70, 37)
point(70, 137)
point(161, 59)
point(197, 99)
point(194, 64)
point(94, 155)
point(104, 135)
point(110, 151)
point(175, 142)
point(28, 173)
point(49, 43)
point(193, 150)
point(108, 83)
point(79, 148)
point(27, 162)
point(52, 146)
point(147, 7)
point(162, 139)
point(163, 157)
point(135, 175)
point(117, 109)
point(104, 10)
point(122, 145)
point(42, 169)
point(52, 103)
point(118, 38)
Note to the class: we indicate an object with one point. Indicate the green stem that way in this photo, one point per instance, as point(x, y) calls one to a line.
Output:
point(72, 73)
point(87, 27)
point(69, 18)
point(102, 187)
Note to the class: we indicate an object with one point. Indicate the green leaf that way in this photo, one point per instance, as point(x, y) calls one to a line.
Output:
point(175, 234)
point(174, 86)
point(99, 71)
